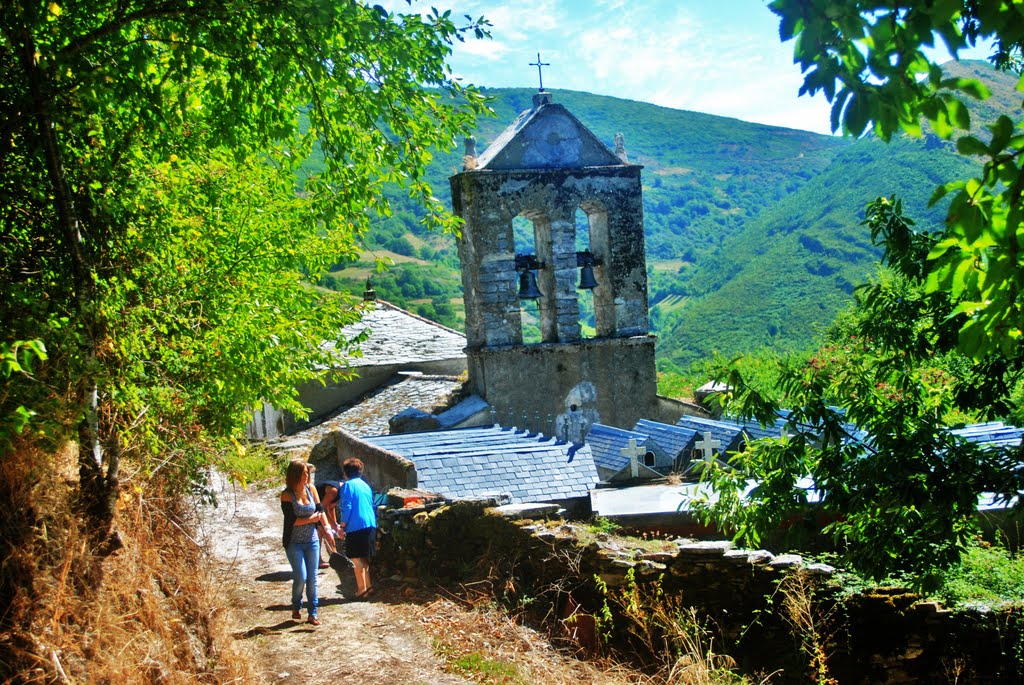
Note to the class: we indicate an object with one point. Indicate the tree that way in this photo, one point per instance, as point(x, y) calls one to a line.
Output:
point(153, 239)
point(868, 59)
point(935, 340)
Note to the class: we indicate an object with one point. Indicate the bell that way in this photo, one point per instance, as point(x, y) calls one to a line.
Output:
point(528, 289)
point(587, 280)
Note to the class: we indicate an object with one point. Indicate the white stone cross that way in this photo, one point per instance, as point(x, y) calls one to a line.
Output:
point(706, 445)
point(633, 451)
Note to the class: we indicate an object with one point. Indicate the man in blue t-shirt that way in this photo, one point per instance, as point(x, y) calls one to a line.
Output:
point(358, 524)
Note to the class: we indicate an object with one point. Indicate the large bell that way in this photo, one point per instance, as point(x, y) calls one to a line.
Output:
point(587, 280)
point(528, 289)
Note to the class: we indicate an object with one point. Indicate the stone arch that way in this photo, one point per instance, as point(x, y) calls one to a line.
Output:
point(538, 320)
point(602, 298)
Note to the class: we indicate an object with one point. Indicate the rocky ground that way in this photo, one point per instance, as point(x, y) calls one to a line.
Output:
point(382, 641)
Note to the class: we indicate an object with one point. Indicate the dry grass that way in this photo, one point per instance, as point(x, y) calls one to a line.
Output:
point(813, 623)
point(147, 613)
point(483, 643)
point(676, 637)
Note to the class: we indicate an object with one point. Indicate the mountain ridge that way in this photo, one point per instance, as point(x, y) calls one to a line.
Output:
point(753, 232)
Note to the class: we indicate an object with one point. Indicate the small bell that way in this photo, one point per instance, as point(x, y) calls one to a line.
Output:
point(528, 289)
point(587, 280)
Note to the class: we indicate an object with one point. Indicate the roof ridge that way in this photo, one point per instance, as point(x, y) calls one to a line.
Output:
point(396, 308)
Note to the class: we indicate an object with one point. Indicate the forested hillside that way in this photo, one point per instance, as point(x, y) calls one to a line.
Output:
point(753, 232)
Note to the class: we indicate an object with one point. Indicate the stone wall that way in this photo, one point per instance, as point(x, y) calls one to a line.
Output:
point(876, 636)
point(324, 398)
point(611, 381)
point(383, 469)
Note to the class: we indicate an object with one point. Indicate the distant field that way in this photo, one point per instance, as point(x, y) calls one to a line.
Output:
point(668, 265)
point(673, 171)
point(671, 303)
point(366, 267)
point(370, 256)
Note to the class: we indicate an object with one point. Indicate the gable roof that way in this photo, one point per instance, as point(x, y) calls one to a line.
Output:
point(398, 337)
point(728, 435)
point(489, 461)
point(607, 443)
point(992, 433)
point(547, 136)
point(673, 439)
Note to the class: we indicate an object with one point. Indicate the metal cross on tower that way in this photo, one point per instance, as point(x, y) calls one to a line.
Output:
point(540, 75)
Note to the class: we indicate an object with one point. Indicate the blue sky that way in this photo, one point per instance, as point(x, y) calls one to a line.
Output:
point(720, 57)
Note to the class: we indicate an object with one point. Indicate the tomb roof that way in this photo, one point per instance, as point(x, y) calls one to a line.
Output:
point(673, 439)
point(489, 461)
point(607, 443)
point(729, 435)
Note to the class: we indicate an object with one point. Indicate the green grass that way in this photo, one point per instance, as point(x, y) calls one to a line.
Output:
point(599, 524)
point(479, 668)
point(988, 577)
point(251, 464)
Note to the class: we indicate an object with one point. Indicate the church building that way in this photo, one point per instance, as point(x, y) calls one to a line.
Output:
point(553, 217)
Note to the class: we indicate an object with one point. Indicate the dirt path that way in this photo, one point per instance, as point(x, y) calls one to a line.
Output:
point(377, 642)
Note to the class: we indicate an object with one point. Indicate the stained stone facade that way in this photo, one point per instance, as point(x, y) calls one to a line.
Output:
point(545, 166)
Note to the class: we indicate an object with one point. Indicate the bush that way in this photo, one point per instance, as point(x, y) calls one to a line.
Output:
point(989, 577)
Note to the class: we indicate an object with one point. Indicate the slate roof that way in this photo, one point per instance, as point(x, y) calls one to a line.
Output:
point(370, 414)
point(755, 431)
point(675, 440)
point(729, 435)
point(398, 337)
point(992, 433)
point(482, 462)
point(607, 443)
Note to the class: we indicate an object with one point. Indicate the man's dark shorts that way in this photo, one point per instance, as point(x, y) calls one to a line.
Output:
point(361, 544)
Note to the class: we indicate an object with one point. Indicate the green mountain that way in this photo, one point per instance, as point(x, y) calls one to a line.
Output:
point(754, 234)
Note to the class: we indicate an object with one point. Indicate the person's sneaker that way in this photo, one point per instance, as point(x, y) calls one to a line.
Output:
point(313, 620)
point(296, 615)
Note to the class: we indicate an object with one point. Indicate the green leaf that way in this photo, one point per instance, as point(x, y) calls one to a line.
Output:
point(972, 87)
point(856, 114)
point(959, 114)
point(969, 145)
point(1002, 131)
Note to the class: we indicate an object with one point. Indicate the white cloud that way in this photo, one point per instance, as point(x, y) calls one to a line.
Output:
point(484, 49)
point(721, 58)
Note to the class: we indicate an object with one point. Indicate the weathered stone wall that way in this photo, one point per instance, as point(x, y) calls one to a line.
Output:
point(668, 410)
point(543, 385)
point(488, 201)
point(880, 636)
point(383, 469)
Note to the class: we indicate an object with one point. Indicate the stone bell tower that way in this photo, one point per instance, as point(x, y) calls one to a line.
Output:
point(547, 168)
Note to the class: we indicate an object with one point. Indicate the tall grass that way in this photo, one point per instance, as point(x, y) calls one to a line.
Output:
point(145, 613)
point(988, 577)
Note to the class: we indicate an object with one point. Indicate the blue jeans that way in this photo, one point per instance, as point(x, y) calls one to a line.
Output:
point(305, 560)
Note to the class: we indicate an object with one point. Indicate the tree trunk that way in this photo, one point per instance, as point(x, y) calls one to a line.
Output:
point(98, 490)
